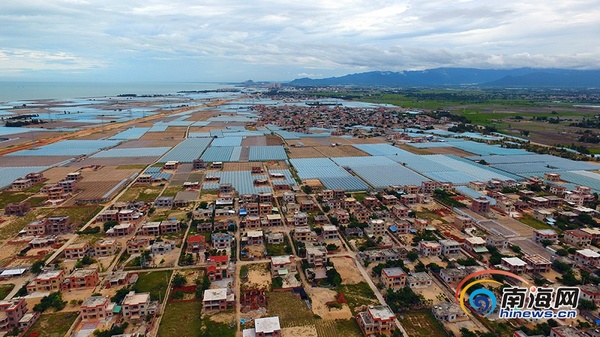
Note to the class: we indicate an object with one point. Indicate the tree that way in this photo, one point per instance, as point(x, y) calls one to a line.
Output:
point(110, 224)
point(307, 189)
point(37, 266)
point(412, 256)
point(331, 247)
point(587, 305)
point(203, 204)
point(333, 277)
point(179, 280)
point(420, 267)
point(546, 242)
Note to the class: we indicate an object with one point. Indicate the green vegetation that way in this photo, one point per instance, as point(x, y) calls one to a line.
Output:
point(357, 295)
point(13, 227)
point(181, 319)
point(171, 191)
point(54, 324)
point(279, 304)
point(421, 324)
point(7, 197)
point(131, 167)
point(153, 282)
point(54, 300)
point(79, 215)
point(535, 223)
point(211, 328)
point(5, 289)
point(446, 198)
point(402, 299)
point(114, 330)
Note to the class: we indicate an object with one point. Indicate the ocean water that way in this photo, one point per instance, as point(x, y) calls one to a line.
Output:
point(23, 91)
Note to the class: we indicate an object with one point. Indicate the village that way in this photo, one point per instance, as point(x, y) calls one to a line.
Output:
point(291, 220)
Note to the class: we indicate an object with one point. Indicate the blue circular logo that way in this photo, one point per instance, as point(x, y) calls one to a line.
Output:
point(483, 301)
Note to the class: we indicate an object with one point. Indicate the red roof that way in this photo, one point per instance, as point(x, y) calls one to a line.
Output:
point(219, 258)
point(196, 238)
point(211, 269)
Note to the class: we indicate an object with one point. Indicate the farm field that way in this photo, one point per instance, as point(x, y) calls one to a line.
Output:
point(181, 319)
point(5, 289)
point(421, 324)
point(52, 325)
point(153, 282)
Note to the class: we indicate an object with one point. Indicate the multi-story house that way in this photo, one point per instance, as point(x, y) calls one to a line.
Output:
point(393, 278)
point(282, 265)
point(81, 278)
point(11, 312)
point(377, 319)
point(96, 308)
point(105, 247)
point(48, 281)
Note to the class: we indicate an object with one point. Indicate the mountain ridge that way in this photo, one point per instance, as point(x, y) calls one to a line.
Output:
point(518, 77)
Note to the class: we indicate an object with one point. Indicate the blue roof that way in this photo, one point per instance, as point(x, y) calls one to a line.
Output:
point(187, 151)
point(473, 194)
point(220, 153)
point(266, 153)
point(132, 133)
point(132, 152)
point(10, 174)
point(242, 181)
point(68, 148)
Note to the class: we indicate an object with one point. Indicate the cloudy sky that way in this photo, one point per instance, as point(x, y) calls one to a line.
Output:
point(236, 40)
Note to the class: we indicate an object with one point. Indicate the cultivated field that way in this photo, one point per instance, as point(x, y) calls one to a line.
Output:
point(304, 152)
point(240, 166)
point(181, 319)
point(340, 151)
point(421, 324)
point(255, 141)
point(52, 325)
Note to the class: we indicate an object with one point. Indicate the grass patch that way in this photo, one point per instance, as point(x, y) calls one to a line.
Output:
point(358, 295)
point(36, 201)
point(11, 229)
point(54, 324)
point(342, 327)
point(216, 328)
point(5, 289)
point(429, 215)
point(181, 319)
point(421, 324)
point(131, 167)
point(280, 303)
point(535, 223)
point(78, 214)
point(154, 283)
point(141, 193)
point(171, 191)
point(11, 197)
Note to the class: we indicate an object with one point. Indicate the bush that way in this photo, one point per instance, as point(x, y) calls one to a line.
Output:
point(54, 300)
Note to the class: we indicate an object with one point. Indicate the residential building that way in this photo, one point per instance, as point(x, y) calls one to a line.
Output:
point(330, 232)
point(196, 244)
point(567, 331)
point(164, 201)
point(537, 263)
point(161, 247)
point(77, 250)
point(480, 205)
point(96, 308)
point(301, 219)
point(274, 219)
point(18, 209)
point(462, 222)
point(105, 247)
point(150, 229)
point(304, 234)
point(221, 240)
point(137, 306)
point(540, 235)
point(11, 312)
point(577, 237)
point(316, 256)
point(475, 244)
point(377, 227)
point(513, 264)
point(48, 281)
point(400, 211)
point(449, 247)
point(267, 327)
point(169, 226)
point(587, 258)
point(497, 241)
point(393, 278)
point(136, 245)
point(419, 280)
point(449, 312)
point(430, 248)
point(254, 238)
point(590, 292)
point(81, 278)
point(215, 299)
point(122, 229)
point(274, 238)
point(282, 265)
point(377, 319)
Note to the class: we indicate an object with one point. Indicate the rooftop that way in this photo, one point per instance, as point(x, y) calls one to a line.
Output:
point(284, 259)
point(394, 272)
point(588, 253)
point(267, 324)
point(215, 294)
point(382, 312)
point(134, 299)
point(94, 301)
point(514, 261)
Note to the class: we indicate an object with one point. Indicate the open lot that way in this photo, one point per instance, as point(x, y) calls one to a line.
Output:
point(181, 319)
point(280, 303)
point(153, 282)
point(259, 277)
point(347, 269)
point(421, 324)
point(53, 324)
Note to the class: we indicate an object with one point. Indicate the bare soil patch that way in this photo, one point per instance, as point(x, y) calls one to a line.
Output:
point(300, 331)
point(259, 277)
point(347, 269)
point(320, 296)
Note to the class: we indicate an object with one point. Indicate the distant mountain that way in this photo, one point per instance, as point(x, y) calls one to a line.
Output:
point(522, 77)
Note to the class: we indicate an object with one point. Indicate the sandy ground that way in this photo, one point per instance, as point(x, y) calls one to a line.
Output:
point(17, 161)
point(259, 277)
point(319, 297)
point(347, 269)
point(240, 166)
point(256, 250)
point(223, 317)
point(304, 152)
point(449, 150)
point(254, 141)
point(341, 151)
point(300, 331)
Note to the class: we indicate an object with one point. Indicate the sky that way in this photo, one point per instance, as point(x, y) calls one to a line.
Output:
point(238, 40)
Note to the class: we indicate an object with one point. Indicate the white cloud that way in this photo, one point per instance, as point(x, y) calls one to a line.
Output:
point(311, 36)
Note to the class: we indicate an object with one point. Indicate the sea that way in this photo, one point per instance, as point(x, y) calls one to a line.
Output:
point(22, 91)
